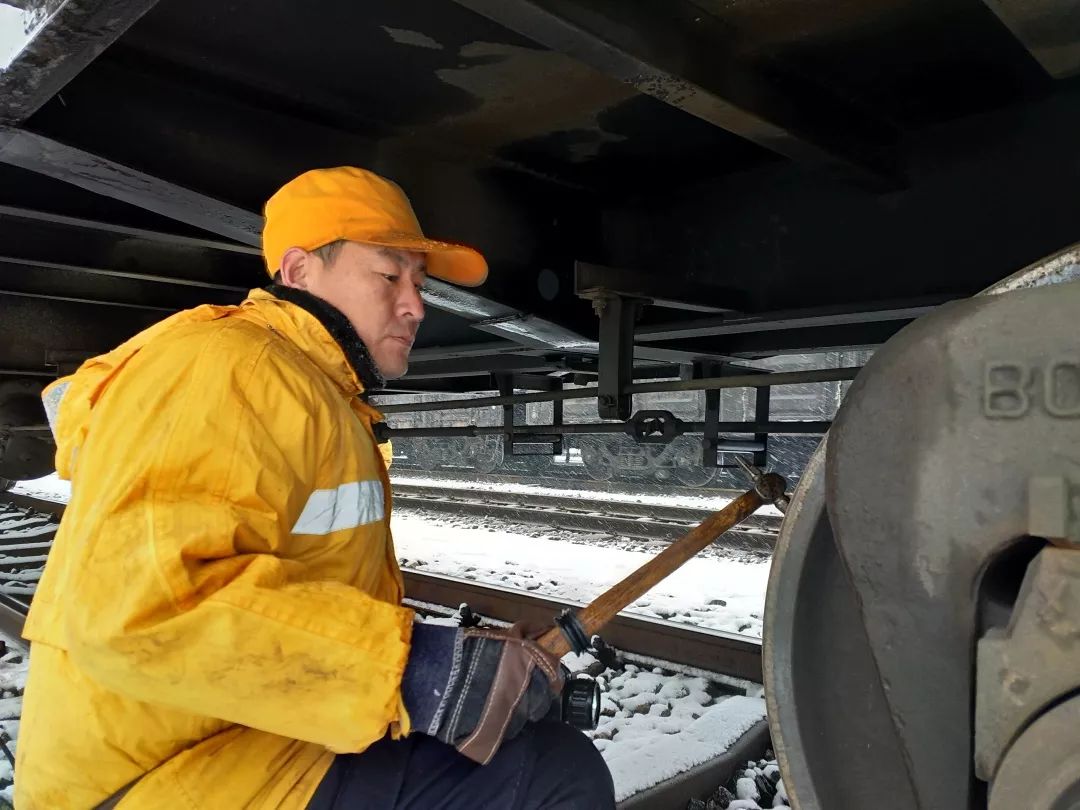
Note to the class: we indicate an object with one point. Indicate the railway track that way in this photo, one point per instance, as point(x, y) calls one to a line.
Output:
point(28, 525)
point(569, 478)
point(581, 514)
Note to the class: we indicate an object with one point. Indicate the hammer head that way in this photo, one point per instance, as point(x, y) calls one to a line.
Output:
point(770, 487)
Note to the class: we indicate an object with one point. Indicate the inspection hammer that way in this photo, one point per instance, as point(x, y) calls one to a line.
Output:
point(574, 631)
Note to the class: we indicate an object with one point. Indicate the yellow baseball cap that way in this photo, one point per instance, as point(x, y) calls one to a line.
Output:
point(324, 205)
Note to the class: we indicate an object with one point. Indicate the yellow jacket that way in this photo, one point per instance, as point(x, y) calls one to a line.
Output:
point(221, 606)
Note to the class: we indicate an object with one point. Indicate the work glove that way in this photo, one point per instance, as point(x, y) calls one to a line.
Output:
point(474, 687)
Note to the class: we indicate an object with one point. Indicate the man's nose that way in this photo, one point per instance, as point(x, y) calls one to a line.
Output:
point(410, 303)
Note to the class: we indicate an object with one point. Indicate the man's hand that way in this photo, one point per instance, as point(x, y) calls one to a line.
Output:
point(475, 687)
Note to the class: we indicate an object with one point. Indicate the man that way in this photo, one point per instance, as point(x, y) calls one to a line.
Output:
point(219, 622)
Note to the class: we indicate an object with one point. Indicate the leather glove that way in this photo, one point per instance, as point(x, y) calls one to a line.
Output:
point(474, 687)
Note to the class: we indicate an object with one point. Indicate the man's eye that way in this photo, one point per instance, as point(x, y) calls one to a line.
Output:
point(391, 278)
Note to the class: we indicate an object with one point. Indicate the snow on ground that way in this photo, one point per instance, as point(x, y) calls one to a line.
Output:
point(49, 488)
point(656, 725)
point(13, 667)
point(710, 592)
point(711, 502)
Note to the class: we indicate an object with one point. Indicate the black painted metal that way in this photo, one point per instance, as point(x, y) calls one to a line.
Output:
point(702, 76)
point(752, 380)
point(616, 370)
point(94, 173)
point(67, 36)
point(592, 281)
point(542, 161)
point(1049, 29)
point(737, 324)
point(761, 414)
point(31, 215)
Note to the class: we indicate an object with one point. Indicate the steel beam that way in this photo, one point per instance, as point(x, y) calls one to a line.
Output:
point(124, 230)
point(48, 157)
point(793, 319)
point(657, 288)
point(853, 337)
point(1049, 29)
point(75, 300)
point(45, 156)
point(681, 56)
point(616, 371)
point(476, 366)
point(58, 39)
point(99, 271)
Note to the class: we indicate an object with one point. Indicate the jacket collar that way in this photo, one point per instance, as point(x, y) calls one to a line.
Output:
point(322, 333)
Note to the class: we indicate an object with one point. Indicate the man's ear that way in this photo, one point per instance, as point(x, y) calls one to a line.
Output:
point(296, 266)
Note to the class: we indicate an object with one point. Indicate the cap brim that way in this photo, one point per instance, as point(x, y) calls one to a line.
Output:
point(458, 264)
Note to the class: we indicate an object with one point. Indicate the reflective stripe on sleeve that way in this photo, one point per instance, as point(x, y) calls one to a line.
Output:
point(350, 505)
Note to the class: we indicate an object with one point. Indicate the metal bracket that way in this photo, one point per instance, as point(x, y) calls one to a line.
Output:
point(506, 389)
point(514, 415)
point(761, 415)
point(617, 316)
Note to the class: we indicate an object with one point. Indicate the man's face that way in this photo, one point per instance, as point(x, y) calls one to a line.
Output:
point(376, 288)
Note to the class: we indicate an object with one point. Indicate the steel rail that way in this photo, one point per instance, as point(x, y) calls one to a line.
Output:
point(712, 650)
point(663, 524)
point(686, 514)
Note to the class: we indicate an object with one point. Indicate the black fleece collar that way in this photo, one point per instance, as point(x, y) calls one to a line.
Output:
point(340, 329)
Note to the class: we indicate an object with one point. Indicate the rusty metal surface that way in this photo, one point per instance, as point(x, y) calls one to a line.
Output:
point(712, 650)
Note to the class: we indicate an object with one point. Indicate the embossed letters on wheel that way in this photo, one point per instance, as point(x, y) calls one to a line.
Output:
point(1012, 389)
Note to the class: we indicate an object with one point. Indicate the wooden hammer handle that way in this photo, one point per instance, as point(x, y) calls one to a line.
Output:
point(605, 607)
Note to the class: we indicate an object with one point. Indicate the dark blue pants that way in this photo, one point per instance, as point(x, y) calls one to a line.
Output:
point(549, 765)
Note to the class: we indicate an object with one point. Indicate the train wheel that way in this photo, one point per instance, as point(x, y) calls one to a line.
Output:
point(598, 460)
point(687, 464)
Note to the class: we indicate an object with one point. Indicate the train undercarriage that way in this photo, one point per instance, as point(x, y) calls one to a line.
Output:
point(716, 231)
